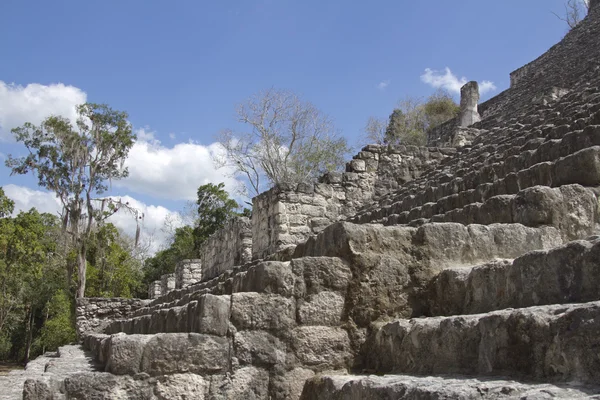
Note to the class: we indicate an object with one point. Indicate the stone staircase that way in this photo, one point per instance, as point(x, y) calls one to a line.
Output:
point(476, 280)
point(45, 374)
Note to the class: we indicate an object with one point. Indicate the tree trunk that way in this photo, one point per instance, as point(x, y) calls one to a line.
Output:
point(29, 329)
point(81, 270)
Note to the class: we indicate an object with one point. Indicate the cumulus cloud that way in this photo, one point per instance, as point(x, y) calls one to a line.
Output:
point(152, 224)
point(172, 172)
point(450, 82)
point(35, 102)
point(383, 84)
point(26, 198)
point(486, 86)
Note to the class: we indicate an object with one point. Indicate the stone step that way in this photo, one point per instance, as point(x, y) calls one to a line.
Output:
point(553, 343)
point(572, 209)
point(406, 387)
point(558, 144)
point(492, 181)
point(262, 277)
point(520, 148)
point(205, 314)
point(50, 366)
point(566, 274)
point(427, 249)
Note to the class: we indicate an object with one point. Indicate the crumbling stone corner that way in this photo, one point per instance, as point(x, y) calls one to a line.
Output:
point(469, 97)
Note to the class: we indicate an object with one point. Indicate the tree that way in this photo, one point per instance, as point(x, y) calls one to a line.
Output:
point(30, 274)
point(76, 163)
point(439, 108)
point(575, 11)
point(409, 122)
point(375, 130)
point(215, 208)
point(287, 140)
point(7, 206)
point(113, 270)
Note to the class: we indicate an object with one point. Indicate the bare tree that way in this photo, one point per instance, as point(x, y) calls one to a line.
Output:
point(286, 140)
point(375, 130)
point(575, 11)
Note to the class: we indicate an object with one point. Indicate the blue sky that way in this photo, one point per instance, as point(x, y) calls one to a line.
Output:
point(180, 67)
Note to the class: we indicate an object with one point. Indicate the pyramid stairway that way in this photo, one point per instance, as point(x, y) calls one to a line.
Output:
point(478, 280)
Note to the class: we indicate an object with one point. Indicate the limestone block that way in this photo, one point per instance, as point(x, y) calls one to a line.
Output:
point(181, 387)
point(106, 386)
point(324, 308)
point(497, 209)
point(258, 348)
point(185, 352)
point(321, 347)
point(262, 311)
point(266, 277)
point(210, 315)
point(289, 385)
point(582, 167)
point(539, 343)
point(245, 383)
point(315, 274)
point(342, 387)
point(125, 353)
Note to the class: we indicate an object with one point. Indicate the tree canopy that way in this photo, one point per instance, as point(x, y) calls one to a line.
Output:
point(77, 163)
point(411, 119)
point(286, 140)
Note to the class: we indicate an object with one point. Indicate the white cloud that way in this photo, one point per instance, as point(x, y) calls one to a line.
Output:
point(35, 102)
point(172, 136)
point(486, 86)
point(450, 82)
point(172, 172)
point(151, 225)
point(26, 198)
point(383, 84)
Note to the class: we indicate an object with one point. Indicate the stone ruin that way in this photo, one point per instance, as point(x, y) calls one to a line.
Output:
point(466, 269)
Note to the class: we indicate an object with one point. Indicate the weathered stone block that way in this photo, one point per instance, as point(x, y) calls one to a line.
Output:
point(125, 353)
point(212, 315)
point(323, 308)
point(321, 347)
point(262, 311)
point(169, 353)
point(582, 167)
point(258, 348)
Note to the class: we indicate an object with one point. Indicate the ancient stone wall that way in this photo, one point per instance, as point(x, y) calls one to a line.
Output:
point(288, 215)
point(187, 272)
point(154, 290)
point(167, 283)
point(228, 247)
point(559, 69)
point(442, 134)
point(94, 313)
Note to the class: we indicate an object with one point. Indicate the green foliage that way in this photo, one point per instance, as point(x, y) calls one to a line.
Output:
point(6, 205)
point(409, 122)
point(164, 262)
point(214, 209)
point(31, 272)
point(112, 270)
point(76, 163)
point(58, 328)
point(439, 108)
